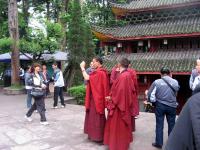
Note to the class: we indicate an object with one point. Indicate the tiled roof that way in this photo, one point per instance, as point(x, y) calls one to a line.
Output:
point(143, 4)
point(165, 27)
point(177, 61)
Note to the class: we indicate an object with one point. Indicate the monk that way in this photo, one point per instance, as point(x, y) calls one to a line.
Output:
point(96, 91)
point(114, 74)
point(135, 111)
point(118, 130)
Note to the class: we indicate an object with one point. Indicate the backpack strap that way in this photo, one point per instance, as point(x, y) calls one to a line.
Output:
point(169, 85)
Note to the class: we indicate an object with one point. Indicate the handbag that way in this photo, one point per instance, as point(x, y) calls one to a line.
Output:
point(37, 93)
point(149, 107)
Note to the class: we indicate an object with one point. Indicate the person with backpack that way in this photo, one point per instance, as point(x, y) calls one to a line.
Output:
point(163, 93)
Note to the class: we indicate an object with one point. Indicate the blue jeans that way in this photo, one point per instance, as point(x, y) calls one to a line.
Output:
point(160, 112)
point(29, 98)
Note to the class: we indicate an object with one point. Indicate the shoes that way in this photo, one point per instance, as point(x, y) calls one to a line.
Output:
point(62, 106)
point(44, 123)
point(55, 107)
point(136, 117)
point(29, 119)
point(157, 146)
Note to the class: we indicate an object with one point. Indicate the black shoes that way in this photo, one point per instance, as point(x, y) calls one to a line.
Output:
point(157, 146)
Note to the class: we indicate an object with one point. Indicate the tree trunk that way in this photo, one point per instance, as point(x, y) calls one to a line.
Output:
point(48, 9)
point(25, 8)
point(14, 34)
point(64, 24)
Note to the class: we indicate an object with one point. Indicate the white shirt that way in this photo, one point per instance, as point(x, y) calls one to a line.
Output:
point(196, 82)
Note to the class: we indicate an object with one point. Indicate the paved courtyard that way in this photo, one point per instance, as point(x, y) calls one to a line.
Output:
point(65, 131)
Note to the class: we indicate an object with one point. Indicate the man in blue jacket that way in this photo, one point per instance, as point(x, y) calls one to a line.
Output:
point(163, 93)
point(58, 86)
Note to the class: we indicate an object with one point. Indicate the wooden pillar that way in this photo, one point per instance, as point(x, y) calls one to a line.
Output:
point(153, 45)
point(129, 48)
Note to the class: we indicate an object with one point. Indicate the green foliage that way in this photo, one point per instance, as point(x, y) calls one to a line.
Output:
point(37, 42)
point(5, 44)
point(88, 43)
point(80, 42)
point(16, 87)
point(32, 47)
point(100, 13)
point(79, 93)
point(54, 30)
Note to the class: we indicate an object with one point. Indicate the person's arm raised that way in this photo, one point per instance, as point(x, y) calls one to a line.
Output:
point(85, 75)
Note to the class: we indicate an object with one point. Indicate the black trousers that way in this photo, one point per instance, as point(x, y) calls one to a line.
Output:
point(58, 91)
point(38, 105)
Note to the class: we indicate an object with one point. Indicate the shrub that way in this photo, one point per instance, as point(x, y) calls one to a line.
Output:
point(79, 93)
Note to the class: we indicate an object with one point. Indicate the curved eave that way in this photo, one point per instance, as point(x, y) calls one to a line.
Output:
point(120, 11)
point(102, 37)
point(108, 38)
point(158, 73)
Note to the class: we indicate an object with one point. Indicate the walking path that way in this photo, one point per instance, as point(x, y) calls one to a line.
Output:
point(65, 131)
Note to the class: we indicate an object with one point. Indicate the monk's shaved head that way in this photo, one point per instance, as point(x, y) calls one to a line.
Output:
point(124, 62)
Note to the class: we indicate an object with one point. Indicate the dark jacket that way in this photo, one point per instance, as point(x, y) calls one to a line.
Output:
point(186, 132)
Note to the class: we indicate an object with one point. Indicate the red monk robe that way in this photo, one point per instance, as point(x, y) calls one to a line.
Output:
point(114, 74)
point(118, 130)
point(135, 99)
point(96, 91)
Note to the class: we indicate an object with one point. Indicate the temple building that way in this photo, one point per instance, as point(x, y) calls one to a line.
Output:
point(155, 33)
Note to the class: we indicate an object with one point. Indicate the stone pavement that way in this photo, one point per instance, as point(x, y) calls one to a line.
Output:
point(65, 131)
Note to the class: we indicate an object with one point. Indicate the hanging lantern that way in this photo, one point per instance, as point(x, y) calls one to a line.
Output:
point(140, 43)
point(165, 42)
point(119, 45)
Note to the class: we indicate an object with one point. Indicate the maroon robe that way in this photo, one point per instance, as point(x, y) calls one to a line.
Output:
point(113, 77)
point(118, 130)
point(96, 91)
point(135, 99)
point(114, 74)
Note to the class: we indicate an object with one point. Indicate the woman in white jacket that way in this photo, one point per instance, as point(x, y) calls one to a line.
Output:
point(39, 104)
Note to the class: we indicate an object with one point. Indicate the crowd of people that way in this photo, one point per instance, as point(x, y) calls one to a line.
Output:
point(37, 81)
point(117, 95)
point(112, 106)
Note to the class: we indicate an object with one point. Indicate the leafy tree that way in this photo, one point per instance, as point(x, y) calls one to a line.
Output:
point(75, 43)
point(38, 43)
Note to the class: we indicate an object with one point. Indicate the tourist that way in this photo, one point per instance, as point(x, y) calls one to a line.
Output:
point(163, 93)
point(28, 86)
point(194, 78)
point(58, 86)
point(186, 132)
point(96, 91)
point(37, 83)
point(118, 130)
point(46, 78)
